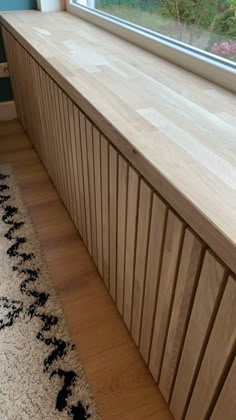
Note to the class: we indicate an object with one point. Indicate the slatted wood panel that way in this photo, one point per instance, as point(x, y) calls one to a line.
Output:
point(77, 198)
point(98, 196)
point(113, 180)
point(219, 352)
point(208, 294)
point(154, 260)
point(173, 295)
point(121, 230)
point(131, 230)
point(190, 262)
point(105, 209)
point(80, 179)
point(169, 271)
point(226, 402)
point(89, 138)
point(143, 226)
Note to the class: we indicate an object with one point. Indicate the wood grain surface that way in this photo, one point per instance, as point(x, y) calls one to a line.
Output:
point(122, 386)
point(177, 129)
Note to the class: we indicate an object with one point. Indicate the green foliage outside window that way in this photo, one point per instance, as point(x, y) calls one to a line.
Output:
point(197, 12)
point(207, 24)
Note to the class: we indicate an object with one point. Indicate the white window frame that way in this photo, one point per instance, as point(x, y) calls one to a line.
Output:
point(211, 67)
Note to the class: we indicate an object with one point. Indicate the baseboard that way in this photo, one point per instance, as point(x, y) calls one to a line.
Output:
point(7, 111)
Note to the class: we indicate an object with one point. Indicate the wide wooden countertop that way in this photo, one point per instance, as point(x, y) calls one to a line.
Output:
point(177, 129)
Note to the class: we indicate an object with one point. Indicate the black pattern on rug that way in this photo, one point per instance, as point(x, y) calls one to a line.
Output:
point(12, 309)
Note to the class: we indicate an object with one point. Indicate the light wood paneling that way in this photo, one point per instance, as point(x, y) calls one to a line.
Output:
point(39, 103)
point(68, 150)
point(52, 125)
point(169, 271)
point(77, 198)
point(226, 402)
point(81, 209)
point(98, 196)
point(154, 260)
point(188, 274)
point(113, 168)
point(86, 180)
point(121, 384)
point(150, 259)
point(208, 294)
point(175, 128)
point(105, 209)
point(49, 128)
point(89, 137)
point(143, 224)
point(131, 228)
point(121, 230)
point(45, 156)
point(64, 155)
point(220, 349)
point(70, 139)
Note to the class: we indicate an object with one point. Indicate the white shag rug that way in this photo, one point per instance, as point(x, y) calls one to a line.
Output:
point(41, 376)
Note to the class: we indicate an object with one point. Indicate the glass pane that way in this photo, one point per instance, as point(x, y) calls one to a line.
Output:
point(206, 24)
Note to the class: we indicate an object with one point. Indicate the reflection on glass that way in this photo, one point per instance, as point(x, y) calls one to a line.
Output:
point(206, 24)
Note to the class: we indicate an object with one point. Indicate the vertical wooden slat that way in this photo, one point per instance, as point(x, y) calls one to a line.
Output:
point(86, 181)
point(69, 158)
point(113, 218)
point(54, 138)
point(58, 151)
point(48, 125)
point(20, 79)
point(105, 209)
point(64, 147)
point(221, 347)
point(44, 118)
point(98, 196)
point(17, 77)
point(37, 128)
point(191, 259)
point(209, 291)
point(132, 210)
point(121, 230)
point(226, 404)
point(169, 272)
point(89, 136)
point(72, 172)
point(61, 122)
point(157, 231)
point(53, 163)
point(28, 93)
point(37, 111)
point(74, 163)
point(81, 209)
point(143, 224)
point(38, 98)
point(24, 70)
point(63, 187)
point(19, 63)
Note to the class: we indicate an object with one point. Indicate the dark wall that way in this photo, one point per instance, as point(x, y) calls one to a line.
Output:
point(5, 84)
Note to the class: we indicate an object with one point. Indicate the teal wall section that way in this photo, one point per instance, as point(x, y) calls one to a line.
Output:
point(18, 4)
point(5, 84)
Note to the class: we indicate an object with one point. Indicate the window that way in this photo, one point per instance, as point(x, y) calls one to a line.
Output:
point(197, 34)
point(206, 24)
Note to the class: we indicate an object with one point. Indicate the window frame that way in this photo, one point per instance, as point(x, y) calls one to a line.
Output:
point(215, 69)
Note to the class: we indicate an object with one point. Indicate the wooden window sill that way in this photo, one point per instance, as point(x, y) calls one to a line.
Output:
point(176, 128)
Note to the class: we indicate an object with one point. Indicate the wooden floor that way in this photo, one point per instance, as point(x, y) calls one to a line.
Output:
point(122, 385)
